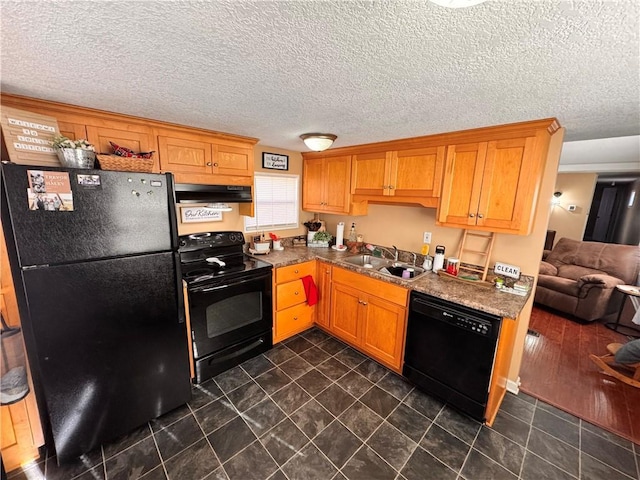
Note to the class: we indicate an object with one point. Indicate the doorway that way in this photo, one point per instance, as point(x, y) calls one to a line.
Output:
point(613, 216)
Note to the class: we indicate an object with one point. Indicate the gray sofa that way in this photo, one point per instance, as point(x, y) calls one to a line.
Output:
point(579, 278)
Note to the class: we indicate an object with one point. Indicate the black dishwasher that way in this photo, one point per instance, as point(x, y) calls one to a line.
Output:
point(450, 351)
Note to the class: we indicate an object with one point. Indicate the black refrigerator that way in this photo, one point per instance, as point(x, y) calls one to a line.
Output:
point(97, 274)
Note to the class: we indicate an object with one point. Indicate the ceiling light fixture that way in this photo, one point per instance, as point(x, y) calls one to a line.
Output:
point(457, 3)
point(318, 141)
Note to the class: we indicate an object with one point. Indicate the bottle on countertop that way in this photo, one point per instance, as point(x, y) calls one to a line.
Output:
point(352, 233)
point(438, 260)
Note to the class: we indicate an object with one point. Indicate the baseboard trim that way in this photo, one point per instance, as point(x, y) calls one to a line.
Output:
point(513, 387)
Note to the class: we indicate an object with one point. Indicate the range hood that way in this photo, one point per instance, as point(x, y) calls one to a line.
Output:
point(192, 193)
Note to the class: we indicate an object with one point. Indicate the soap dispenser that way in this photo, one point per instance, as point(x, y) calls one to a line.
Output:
point(352, 233)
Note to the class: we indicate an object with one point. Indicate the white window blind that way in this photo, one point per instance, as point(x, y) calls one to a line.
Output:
point(276, 203)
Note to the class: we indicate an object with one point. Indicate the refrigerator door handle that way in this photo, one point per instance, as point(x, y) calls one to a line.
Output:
point(179, 288)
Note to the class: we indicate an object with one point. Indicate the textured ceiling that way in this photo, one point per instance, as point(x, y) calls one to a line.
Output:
point(366, 71)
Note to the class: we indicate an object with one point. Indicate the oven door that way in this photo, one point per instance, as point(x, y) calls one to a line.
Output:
point(229, 310)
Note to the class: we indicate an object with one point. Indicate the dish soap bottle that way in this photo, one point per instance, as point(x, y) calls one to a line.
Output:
point(352, 233)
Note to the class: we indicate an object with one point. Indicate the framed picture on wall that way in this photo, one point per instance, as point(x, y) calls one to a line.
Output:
point(275, 161)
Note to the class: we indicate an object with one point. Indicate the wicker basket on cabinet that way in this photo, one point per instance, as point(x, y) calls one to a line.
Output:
point(125, 164)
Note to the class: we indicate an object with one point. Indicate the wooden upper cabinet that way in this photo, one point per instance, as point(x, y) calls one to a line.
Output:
point(232, 160)
point(184, 155)
point(193, 155)
point(74, 131)
point(200, 159)
point(325, 184)
point(462, 183)
point(491, 185)
point(417, 172)
point(313, 184)
point(408, 175)
point(509, 184)
point(370, 174)
point(135, 137)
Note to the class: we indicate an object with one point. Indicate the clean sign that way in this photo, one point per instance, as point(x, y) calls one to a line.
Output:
point(507, 270)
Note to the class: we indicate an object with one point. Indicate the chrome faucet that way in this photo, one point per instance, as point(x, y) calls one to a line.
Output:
point(394, 253)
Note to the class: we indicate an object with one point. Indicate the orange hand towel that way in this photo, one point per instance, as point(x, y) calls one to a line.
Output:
point(310, 290)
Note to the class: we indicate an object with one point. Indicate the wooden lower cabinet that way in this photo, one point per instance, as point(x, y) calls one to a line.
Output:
point(292, 314)
point(371, 317)
point(383, 331)
point(345, 312)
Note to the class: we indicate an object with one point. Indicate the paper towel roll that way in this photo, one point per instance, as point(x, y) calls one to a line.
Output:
point(340, 234)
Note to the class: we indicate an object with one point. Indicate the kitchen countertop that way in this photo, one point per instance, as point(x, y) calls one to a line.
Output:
point(482, 298)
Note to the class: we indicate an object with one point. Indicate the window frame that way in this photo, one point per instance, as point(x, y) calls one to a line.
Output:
point(296, 205)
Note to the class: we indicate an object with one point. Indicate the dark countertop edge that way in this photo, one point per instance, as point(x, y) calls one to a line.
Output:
point(482, 298)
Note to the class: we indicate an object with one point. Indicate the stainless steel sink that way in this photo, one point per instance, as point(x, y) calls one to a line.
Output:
point(368, 261)
point(396, 269)
point(384, 266)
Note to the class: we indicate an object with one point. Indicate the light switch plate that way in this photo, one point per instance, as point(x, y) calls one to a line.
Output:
point(426, 237)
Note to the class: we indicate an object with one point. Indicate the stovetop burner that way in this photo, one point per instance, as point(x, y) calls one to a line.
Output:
point(225, 247)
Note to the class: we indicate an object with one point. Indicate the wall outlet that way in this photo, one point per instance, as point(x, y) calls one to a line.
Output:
point(572, 208)
point(426, 237)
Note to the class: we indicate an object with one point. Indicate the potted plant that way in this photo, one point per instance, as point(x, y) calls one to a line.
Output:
point(321, 239)
point(74, 153)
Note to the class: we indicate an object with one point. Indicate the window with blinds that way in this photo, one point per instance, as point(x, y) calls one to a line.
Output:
point(276, 203)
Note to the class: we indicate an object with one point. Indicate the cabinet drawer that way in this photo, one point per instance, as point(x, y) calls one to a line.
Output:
point(294, 272)
point(289, 294)
point(293, 320)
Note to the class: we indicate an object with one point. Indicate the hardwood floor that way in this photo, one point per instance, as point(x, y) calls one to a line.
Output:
point(556, 369)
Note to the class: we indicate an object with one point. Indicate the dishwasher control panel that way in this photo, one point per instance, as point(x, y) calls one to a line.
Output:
point(477, 326)
point(454, 316)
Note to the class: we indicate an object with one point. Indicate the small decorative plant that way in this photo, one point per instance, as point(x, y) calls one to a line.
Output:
point(322, 237)
point(60, 141)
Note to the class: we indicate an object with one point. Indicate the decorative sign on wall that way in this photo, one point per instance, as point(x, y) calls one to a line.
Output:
point(28, 137)
point(275, 161)
point(506, 270)
point(199, 214)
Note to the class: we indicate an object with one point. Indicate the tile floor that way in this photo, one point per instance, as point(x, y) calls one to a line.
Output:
point(313, 408)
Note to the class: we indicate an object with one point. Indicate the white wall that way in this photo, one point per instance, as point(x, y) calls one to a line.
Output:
point(618, 154)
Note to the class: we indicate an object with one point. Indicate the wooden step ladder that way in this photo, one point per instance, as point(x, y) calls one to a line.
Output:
point(484, 250)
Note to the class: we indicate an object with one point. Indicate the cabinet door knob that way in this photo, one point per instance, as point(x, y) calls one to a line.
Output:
point(384, 187)
point(471, 215)
point(295, 271)
point(391, 187)
point(295, 318)
point(480, 215)
point(296, 293)
point(208, 164)
point(215, 164)
point(364, 303)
